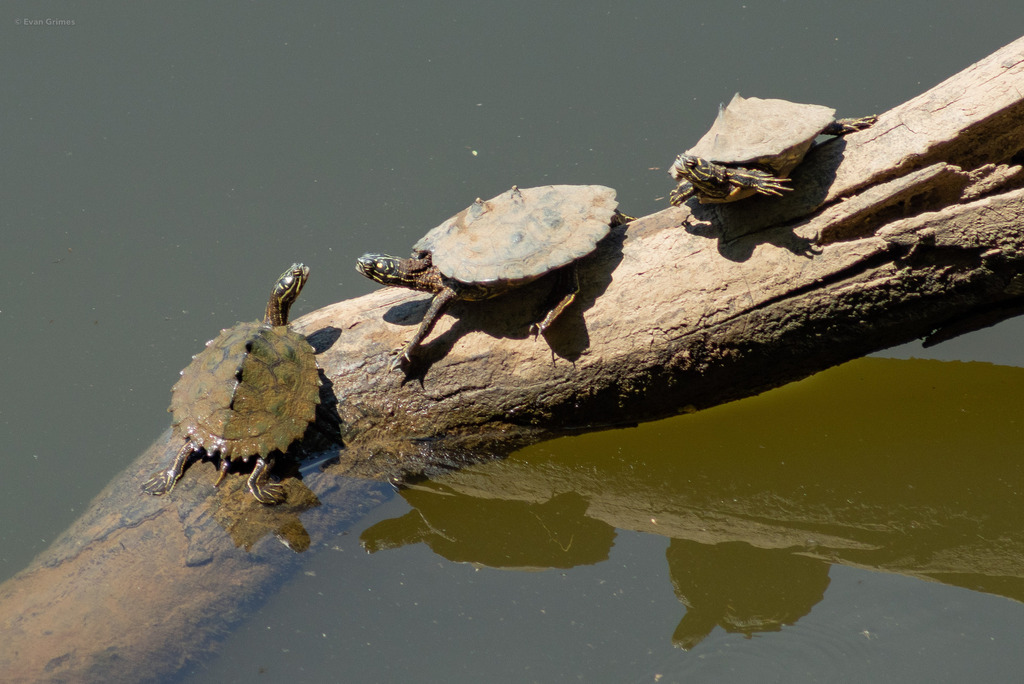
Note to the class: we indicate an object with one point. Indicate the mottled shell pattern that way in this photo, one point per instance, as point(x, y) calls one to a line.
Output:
point(253, 389)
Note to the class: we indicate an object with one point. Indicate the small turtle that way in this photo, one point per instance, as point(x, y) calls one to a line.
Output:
point(253, 390)
point(494, 246)
point(752, 147)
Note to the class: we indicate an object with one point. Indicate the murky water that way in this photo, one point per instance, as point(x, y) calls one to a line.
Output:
point(162, 164)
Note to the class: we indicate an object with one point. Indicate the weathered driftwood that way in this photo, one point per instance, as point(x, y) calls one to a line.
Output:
point(890, 234)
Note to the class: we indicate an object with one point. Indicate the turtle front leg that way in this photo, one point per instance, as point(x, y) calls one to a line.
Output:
point(265, 491)
point(163, 481)
point(844, 126)
point(681, 193)
point(438, 305)
point(570, 285)
point(757, 180)
point(621, 219)
point(709, 180)
point(682, 172)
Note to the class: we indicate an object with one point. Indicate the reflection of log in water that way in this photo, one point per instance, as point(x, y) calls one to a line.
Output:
point(555, 533)
point(888, 234)
point(876, 478)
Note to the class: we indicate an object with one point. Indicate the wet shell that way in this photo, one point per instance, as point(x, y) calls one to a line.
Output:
point(253, 389)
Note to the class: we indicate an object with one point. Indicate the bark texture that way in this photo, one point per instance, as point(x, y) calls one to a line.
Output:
point(912, 226)
point(890, 234)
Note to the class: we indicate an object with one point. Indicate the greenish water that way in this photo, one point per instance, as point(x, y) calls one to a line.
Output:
point(837, 528)
point(163, 163)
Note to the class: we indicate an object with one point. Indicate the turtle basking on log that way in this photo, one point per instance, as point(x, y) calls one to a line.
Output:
point(498, 245)
point(252, 391)
point(752, 147)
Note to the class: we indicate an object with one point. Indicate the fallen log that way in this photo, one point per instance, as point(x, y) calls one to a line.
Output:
point(890, 234)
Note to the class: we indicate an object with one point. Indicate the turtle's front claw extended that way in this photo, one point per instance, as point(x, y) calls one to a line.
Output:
point(681, 193)
point(767, 184)
point(400, 359)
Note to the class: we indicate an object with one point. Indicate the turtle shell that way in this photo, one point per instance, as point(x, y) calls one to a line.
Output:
point(522, 234)
point(253, 389)
point(771, 133)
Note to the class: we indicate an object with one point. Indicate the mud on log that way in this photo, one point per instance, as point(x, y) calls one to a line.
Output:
point(911, 227)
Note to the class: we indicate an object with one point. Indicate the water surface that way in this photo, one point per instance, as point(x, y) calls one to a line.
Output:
point(163, 163)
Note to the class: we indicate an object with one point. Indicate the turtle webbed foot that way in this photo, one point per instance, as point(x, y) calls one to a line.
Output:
point(621, 219)
point(844, 126)
point(681, 193)
point(268, 494)
point(160, 483)
point(760, 181)
point(401, 359)
point(163, 481)
point(265, 491)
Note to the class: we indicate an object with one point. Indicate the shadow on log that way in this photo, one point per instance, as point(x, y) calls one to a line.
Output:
point(891, 234)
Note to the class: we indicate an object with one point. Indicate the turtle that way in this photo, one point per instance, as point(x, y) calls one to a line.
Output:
point(253, 390)
point(500, 244)
point(752, 147)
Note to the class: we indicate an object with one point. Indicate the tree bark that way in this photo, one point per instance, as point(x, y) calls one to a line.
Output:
point(890, 234)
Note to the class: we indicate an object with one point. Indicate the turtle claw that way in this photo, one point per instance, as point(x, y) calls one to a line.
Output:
point(850, 125)
point(269, 493)
point(160, 483)
point(681, 193)
point(772, 186)
point(400, 359)
point(266, 492)
point(758, 180)
point(538, 329)
point(163, 481)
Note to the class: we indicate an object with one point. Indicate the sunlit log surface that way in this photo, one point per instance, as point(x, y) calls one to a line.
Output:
point(911, 226)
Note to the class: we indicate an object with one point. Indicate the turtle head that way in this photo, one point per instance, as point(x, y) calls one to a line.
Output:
point(413, 273)
point(709, 180)
point(286, 291)
point(691, 168)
